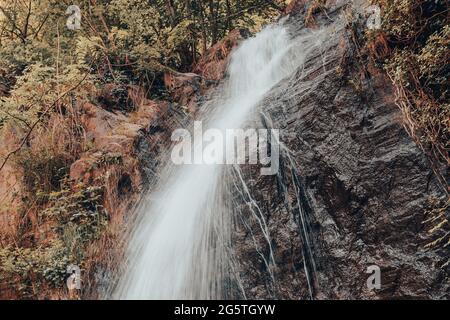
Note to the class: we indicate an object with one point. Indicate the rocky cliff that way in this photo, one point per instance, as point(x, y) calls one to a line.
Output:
point(353, 189)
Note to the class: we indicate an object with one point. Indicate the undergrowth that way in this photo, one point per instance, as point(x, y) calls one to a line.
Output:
point(412, 47)
point(415, 42)
point(75, 215)
point(437, 223)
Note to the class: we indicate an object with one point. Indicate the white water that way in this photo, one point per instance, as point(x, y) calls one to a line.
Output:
point(177, 249)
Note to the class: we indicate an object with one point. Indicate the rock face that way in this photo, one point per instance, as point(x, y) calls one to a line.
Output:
point(125, 137)
point(351, 192)
point(113, 156)
point(213, 63)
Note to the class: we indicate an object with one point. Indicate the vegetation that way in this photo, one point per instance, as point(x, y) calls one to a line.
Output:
point(438, 225)
point(412, 49)
point(412, 46)
point(132, 41)
point(75, 215)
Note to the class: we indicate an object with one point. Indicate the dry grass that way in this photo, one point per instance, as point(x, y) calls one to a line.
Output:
point(412, 47)
point(314, 7)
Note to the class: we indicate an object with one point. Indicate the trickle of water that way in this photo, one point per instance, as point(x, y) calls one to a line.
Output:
point(177, 249)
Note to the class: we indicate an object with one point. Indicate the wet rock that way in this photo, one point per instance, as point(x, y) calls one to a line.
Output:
point(351, 191)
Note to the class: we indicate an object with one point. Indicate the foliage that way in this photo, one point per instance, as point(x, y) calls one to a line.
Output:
point(39, 87)
point(418, 38)
point(433, 63)
point(414, 41)
point(437, 217)
point(47, 263)
point(78, 217)
point(125, 41)
point(169, 35)
point(78, 207)
point(42, 170)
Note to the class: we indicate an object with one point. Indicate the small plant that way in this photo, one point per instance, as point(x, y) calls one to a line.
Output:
point(31, 268)
point(438, 225)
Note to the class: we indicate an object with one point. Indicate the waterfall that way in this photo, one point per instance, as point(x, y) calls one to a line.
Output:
point(180, 239)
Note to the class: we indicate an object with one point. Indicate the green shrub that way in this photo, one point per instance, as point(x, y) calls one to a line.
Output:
point(78, 218)
point(78, 212)
point(418, 37)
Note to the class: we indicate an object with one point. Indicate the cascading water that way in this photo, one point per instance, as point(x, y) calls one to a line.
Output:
point(178, 247)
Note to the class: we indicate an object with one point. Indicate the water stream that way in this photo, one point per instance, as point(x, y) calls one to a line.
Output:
point(180, 242)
